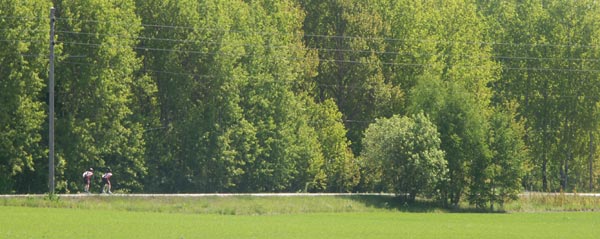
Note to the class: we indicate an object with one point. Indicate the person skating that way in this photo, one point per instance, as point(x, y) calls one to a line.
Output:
point(87, 179)
point(106, 181)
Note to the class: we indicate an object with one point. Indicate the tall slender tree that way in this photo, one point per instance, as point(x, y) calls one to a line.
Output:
point(23, 63)
point(547, 54)
point(237, 124)
point(347, 36)
point(95, 127)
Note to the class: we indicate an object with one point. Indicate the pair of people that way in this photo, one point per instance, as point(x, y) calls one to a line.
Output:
point(87, 180)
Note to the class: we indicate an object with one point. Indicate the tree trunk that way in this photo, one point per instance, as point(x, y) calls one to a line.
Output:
point(567, 171)
point(591, 160)
point(544, 175)
point(562, 176)
point(493, 197)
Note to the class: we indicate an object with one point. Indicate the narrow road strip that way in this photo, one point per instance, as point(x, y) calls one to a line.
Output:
point(525, 194)
point(206, 195)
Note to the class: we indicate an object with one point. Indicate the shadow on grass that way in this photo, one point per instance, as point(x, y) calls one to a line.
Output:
point(418, 206)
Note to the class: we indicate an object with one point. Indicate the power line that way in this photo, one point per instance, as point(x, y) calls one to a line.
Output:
point(482, 56)
point(343, 37)
point(208, 76)
point(22, 40)
point(357, 62)
point(342, 50)
point(386, 39)
point(31, 30)
point(288, 82)
point(548, 69)
point(146, 48)
point(24, 18)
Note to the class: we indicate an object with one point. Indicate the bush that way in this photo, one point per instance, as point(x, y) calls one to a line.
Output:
point(404, 155)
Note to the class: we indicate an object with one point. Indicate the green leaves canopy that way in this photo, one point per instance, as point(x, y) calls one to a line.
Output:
point(23, 30)
point(246, 96)
point(405, 155)
point(94, 125)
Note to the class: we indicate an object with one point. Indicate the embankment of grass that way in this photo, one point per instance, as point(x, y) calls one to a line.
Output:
point(558, 202)
point(231, 205)
point(274, 205)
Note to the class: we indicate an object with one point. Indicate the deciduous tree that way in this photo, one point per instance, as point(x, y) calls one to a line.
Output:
point(407, 153)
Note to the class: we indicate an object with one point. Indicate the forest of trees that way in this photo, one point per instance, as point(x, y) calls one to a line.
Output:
point(458, 100)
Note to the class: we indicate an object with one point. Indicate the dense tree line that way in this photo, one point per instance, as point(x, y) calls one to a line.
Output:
point(458, 100)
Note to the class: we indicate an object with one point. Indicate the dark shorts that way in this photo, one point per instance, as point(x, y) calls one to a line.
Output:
point(105, 181)
point(86, 180)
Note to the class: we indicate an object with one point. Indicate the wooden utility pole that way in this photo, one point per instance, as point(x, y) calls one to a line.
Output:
point(51, 107)
point(591, 159)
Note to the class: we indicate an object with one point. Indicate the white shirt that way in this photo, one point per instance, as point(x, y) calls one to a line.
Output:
point(88, 174)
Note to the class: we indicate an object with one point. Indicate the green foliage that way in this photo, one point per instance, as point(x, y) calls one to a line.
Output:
point(497, 178)
point(265, 95)
point(24, 27)
point(508, 157)
point(453, 92)
point(94, 125)
point(351, 68)
point(407, 153)
point(238, 125)
point(340, 166)
point(554, 84)
point(197, 133)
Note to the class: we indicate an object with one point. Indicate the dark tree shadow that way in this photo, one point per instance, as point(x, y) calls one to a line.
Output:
point(420, 205)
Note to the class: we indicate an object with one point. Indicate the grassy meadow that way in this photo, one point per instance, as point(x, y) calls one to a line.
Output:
point(286, 217)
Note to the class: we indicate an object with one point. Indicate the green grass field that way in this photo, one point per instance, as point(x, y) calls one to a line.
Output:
point(274, 217)
point(24, 222)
